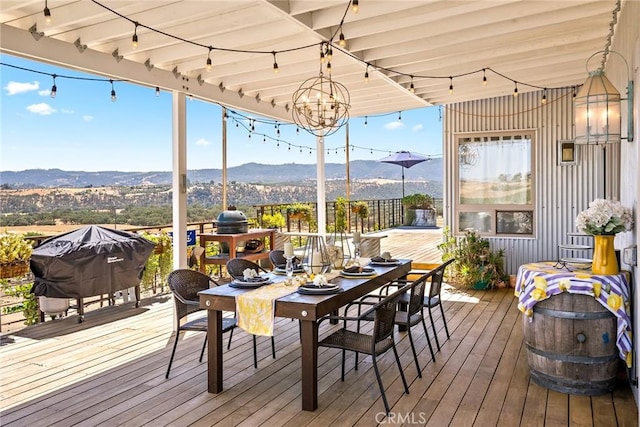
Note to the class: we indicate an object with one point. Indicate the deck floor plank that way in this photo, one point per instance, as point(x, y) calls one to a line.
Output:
point(110, 370)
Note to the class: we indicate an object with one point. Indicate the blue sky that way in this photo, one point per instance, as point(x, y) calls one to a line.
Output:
point(82, 129)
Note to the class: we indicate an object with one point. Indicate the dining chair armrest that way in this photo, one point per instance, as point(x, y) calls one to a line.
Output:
point(333, 317)
point(398, 283)
point(360, 303)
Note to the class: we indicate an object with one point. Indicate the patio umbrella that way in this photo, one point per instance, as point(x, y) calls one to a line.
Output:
point(404, 159)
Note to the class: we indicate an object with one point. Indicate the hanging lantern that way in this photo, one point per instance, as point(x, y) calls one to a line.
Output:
point(597, 111)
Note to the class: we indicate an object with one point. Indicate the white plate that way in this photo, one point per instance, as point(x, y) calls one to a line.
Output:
point(325, 289)
point(252, 282)
point(283, 271)
point(384, 263)
point(363, 273)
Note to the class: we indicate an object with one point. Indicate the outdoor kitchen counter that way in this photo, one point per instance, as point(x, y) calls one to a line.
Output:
point(233, 241)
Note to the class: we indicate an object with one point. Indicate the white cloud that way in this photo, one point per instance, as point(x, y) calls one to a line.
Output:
point(417, 128)
point(203, 142)
point(44, 92)
point(394, 125)
point(42, 109)
point(65, 111)
point(87, 118)
point(14, 88)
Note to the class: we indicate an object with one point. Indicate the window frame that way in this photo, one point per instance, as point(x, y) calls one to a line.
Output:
point(494, 210)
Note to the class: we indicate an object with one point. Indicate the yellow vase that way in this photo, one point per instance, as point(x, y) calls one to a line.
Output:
point(604, 255)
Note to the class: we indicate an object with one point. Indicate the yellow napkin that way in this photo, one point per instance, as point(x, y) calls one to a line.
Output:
point(256, 308)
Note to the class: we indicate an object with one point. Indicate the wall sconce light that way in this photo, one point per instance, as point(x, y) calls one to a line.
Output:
point(597, 109)
point(566, 152)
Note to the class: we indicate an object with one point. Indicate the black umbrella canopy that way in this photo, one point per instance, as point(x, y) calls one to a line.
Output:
point(405, 159)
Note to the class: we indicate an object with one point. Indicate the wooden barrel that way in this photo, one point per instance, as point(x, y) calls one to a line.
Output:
point(571, 345)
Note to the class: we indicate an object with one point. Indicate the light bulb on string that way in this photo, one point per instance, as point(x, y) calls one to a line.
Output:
point(113, 92)
point(365, 121)
point(275, 63)
point(484, 77)
point(354, 6)
point(209, 62)
point(399, 116)
point(412, 88)
point(544, 96)
point(450, 85)
point(366, 74)
point(157, 91)
point(134, 39)
point(515, 89)
point(341, 40)
point(329, 52)
point(54, 88)
point(47, 13)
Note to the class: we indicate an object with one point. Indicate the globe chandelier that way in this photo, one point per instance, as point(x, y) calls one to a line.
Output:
point(320, 104)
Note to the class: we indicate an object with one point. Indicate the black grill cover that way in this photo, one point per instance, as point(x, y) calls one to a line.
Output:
point(89, 261)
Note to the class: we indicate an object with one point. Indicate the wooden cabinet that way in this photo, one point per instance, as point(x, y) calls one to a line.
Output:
point(233, 241)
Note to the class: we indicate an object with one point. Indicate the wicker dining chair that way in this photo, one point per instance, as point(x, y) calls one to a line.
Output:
point(277, 258)
point(235, 268)
point(185, 285)
point(413, 315)
point(376, 344)
point(434, 299)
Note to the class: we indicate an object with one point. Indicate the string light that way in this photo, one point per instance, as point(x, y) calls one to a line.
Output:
point(329, 52)
point(134, 39)
point(157, 91)
point(47, 13)
point(484, 77)
point(341, 40)
point(209, 62)
point(113, 92)
point(54, 88)
point(329, 67)
point(365, 121)
point(399, 116)
point(354, 6)
point(450, 85)
point(544, 96)
point(412, 88)
point(366, 74)
point(275, 63)
point(515, 89)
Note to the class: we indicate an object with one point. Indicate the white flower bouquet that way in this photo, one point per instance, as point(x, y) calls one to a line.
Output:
point(604, 217)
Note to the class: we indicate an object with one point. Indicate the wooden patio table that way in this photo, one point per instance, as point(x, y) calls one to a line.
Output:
point(306, 308)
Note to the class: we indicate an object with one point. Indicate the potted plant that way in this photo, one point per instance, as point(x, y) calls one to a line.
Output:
point(339, 250)
point(15, 252)
point(160, 263)
point(300, 211)
point(419, 210)
point(475, 265)
point(273, 221)
point(361, 209)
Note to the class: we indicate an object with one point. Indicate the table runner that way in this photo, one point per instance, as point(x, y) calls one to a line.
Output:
point(538, 281)
point(255, 309)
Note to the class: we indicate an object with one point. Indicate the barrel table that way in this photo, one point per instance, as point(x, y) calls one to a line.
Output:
point(576, 326)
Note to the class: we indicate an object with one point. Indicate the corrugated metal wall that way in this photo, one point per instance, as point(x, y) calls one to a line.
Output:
point(561, 192)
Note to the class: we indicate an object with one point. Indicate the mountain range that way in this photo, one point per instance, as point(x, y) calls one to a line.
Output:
point(249, 173)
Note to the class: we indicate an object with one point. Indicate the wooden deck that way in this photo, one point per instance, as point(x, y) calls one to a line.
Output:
point(110, 370)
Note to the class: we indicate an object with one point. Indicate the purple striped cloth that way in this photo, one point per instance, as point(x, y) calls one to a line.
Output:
point(541, 280)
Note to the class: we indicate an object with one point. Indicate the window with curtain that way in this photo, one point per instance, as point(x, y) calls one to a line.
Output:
point(495, 184)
